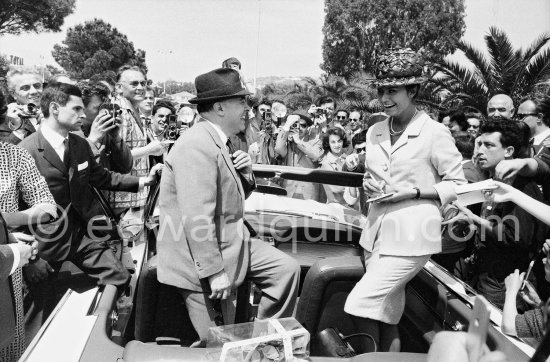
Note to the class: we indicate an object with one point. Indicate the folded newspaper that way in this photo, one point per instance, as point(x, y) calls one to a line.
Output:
point(271, 340)
point(474, 193)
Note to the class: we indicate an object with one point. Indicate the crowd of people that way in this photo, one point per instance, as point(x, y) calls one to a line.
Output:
point(63, 137)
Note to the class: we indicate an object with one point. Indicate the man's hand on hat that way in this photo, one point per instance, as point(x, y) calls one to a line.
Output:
point(242, 162)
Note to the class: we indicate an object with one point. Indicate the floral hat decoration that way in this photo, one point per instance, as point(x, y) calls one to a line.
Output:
point(398, 67)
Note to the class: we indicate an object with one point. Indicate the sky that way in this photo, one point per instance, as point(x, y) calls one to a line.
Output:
point(184, 38)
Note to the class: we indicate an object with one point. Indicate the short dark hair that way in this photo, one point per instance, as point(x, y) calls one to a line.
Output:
point(510, 132)
point(459, 118)
point(89, 90)
point(227, 63)
point(543, 107)
point(336, 131)
point(58, 93)
point(342, 110)
point(265, 101)
point(465, 143)
point(163, 104)
point(126, 67)
point(325, 100)
point(359, 138)
point(413, 88)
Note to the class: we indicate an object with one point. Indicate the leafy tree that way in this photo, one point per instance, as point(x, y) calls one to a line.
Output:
point(515, 72)
point(356, 31)
point(96, 48)
point(173, 87)
point(18, 16)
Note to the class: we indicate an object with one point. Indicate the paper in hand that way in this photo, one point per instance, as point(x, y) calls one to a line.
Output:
point(469, 194)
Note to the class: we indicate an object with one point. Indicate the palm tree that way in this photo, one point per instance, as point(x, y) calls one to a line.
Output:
point(506, 70)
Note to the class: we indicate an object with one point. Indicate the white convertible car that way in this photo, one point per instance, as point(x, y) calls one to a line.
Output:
point(150, 322)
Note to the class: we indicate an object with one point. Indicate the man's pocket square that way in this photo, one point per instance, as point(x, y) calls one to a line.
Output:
point(83, 166)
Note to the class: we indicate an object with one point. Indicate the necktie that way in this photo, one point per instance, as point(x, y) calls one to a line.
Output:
point(66, 154)
point(230, 147)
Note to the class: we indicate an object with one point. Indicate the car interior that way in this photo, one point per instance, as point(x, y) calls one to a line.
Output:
point(160, 328)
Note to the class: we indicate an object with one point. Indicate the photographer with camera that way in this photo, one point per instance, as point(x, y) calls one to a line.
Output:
point(299, 147)
point(101, 128)
point(164, 127)
point(23, 116)
point(322, 114)
point(263, 151)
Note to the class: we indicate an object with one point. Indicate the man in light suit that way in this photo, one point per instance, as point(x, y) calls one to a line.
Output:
point(203, 245)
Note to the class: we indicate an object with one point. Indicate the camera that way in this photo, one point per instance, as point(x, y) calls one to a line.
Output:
point(30, 111)
point(114, 110)
point(266, 116)
point(27, 112)
point(172, 130)
point(320, 112)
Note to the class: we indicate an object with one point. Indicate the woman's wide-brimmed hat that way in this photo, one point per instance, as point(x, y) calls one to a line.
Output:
point(398, 67)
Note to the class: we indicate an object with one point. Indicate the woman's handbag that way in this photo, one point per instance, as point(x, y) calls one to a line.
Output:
point(331, 343)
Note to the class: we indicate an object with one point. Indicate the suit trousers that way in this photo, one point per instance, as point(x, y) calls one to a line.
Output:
point(275, 273)
point(94, 258)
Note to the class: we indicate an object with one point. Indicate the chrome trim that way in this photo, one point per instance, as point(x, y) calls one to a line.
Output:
point(45, 326)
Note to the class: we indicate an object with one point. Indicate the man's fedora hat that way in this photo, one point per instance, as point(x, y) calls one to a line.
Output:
point(398, 67)
point(219, 84)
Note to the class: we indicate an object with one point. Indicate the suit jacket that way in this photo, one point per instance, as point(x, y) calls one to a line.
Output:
point(71, 187)
point(114, 154)
point(201, 206)
point(7, 302)
point(424, 156)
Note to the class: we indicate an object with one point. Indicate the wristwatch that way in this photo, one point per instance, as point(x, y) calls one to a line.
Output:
point(417, 193)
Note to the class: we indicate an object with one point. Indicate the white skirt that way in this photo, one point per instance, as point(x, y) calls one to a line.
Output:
point(380, 294)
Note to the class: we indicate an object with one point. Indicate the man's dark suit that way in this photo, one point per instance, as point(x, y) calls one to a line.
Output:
point(7, 307)
point(71, 191)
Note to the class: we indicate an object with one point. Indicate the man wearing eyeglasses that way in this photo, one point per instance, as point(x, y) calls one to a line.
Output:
point(131, 86)
point(355, 123)
point(340, 119)
point(527, 113)
point(24, 115)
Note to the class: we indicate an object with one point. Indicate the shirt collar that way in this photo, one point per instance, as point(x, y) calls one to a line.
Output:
point(219, 131)
point(53, 138)
point(537, 140)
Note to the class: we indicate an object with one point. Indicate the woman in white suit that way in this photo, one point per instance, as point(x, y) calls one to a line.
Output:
point(415, 159)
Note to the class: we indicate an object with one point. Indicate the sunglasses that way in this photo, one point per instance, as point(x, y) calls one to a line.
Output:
point(301, 125)
point(360, 149)
point(354, 119)
point(340, 117)
point(135, 83)
point(520, 116)
point(27, 87)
